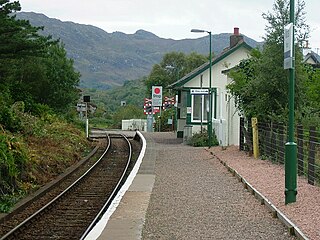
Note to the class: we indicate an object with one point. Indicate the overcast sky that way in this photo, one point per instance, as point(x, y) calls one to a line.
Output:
point(172, 18)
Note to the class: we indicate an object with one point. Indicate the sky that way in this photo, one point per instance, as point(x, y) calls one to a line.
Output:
point(172, 18)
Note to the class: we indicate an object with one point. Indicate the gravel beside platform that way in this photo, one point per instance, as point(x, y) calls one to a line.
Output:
point(195, 197)
point(268, 179)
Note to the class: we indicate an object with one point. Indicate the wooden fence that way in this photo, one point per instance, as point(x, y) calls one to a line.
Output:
point(272, 139)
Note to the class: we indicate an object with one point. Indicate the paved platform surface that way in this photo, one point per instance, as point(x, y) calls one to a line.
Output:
point(181, 192)
point(128, 219)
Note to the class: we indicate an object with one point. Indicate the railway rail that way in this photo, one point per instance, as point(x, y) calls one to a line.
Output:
point(72, 213)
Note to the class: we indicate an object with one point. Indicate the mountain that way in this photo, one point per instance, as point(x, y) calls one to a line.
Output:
point(109, 59)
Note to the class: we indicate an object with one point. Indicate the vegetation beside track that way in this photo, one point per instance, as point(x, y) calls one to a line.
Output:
point(30, 158)
point(39, 136)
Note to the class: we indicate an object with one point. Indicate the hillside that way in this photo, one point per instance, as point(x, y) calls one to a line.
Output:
point(109, 59)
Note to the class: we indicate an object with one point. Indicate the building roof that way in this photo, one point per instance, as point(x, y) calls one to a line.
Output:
point(315, 57)
point(206, 65)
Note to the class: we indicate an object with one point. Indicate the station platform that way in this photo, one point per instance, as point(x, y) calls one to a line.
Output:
point(183, 192)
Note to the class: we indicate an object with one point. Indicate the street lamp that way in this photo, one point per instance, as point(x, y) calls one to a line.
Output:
point(210, 88)
point(172, 68)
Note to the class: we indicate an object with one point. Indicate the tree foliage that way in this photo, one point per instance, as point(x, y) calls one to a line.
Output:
point(33, 68)
point(260, 84)
point(173, 66)
point(280, 17)
point(127, 112)
point(312, 92)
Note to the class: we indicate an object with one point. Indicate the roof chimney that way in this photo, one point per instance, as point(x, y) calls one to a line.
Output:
point(235, 38)
point(236, 31)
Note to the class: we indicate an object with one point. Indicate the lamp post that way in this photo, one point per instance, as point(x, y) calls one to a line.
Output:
point(291, 146)
point(174, 121)
point(210, 87)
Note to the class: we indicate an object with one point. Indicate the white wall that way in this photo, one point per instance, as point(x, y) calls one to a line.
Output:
point(227, 114)
point(134, 124)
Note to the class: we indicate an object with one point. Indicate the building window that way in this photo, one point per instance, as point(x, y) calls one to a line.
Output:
point(200, 108)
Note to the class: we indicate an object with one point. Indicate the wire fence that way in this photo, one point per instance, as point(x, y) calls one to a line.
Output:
point(272, 140)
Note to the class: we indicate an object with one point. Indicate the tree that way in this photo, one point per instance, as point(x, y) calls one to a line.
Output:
point(33, 68)
point(173, 66)
point(244, 87)
point(61, 89)
point(127, 112)
point(18, 39)
point(263, 79)
point(280, 17)
point(312, 90)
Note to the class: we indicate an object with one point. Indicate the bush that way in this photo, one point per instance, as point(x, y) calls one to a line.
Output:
point(9, 119)
point(200, 139)
point(13, 157)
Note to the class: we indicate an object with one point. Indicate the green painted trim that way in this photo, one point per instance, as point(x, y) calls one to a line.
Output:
point(205, 66)
point(214, 90)
point(188, 120)
point(191, 75)
point(199, 123)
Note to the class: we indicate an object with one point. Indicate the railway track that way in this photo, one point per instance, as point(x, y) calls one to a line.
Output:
point(72, 213)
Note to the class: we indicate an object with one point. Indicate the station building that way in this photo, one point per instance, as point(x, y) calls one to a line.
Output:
point(192, 109)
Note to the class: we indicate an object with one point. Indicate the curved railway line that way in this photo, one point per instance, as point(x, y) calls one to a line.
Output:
point(72, 212)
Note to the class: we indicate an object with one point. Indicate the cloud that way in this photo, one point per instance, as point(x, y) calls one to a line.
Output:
point(168, 18)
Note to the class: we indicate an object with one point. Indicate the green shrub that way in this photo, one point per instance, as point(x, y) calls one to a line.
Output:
point(9, 119)
point(41, 110)
point(200, 139)
point(7, 201)
point(13, 157)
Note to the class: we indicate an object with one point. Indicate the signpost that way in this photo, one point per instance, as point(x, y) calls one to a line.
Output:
point(288, 47)
point(157, 99)
point(156, 96)
point(86, 100)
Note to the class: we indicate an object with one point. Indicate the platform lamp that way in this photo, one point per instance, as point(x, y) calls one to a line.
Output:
point(210, 87)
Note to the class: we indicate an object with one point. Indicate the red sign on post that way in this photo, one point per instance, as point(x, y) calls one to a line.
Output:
point(156, 96)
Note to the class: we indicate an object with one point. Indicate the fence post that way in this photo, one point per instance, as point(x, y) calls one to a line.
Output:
point(255, 137)
point(312, 154)
point(300, 149)
point(241, 134)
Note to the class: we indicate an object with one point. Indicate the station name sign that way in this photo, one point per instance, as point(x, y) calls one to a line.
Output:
point(199, 91)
